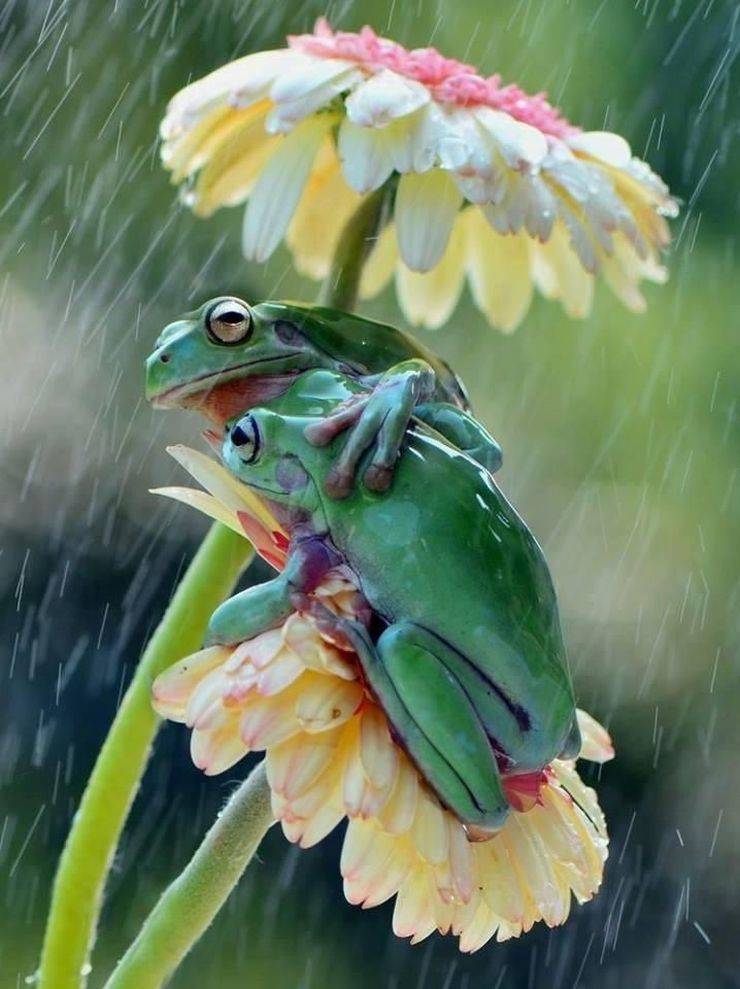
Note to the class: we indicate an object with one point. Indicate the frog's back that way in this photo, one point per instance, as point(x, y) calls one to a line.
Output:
point(445, 549)
point(364, 346)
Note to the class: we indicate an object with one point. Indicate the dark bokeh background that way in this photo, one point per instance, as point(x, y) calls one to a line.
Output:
point(620, 450)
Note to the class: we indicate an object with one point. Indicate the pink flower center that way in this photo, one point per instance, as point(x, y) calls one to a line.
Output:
point(448, 80)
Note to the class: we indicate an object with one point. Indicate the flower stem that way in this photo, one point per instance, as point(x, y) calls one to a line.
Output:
point(189, 904)
point(342, 284)
point(78, 887)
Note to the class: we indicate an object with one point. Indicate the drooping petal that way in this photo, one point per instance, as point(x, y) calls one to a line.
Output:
point(428, 298)
point(365, 155)
point(499, 272)
point(558, 273)
point(380, 264)
point(324, 209)
point(279, 187)
point(425, 211)
point(234, 162)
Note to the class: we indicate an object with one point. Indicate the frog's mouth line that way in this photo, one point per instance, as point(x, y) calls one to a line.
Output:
point(201, 383)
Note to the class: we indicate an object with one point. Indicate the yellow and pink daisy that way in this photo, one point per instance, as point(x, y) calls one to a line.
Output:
point(493, 184)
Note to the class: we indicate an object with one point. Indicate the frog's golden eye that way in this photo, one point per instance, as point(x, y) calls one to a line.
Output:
point(229, 322)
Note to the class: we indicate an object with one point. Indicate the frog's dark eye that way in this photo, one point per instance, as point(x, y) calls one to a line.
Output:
point(229, 322)
point(245, 435)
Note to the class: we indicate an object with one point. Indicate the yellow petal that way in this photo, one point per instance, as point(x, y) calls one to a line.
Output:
point(428, 299)
point(205, 503)
point(429, 830)
point(217, 750)
point(498, 268)
point(172, 689)
point(398, 814)
point(295, 764)
point(325, 207)
point(380, 264)
point(275, 196)
point(235, 161)
point(558, 273)
point(413, 915)
point(328, 702)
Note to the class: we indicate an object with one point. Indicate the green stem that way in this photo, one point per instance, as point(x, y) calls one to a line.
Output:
point(78, 887)
point(187, 907)
point(355, 243)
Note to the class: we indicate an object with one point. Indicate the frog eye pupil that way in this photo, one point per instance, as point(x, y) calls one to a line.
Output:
point(229, 322)
point(246, 437)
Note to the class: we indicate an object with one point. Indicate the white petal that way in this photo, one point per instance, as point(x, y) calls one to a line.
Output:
point(522, 147)
point(426, 207)
point(365, 156)
point(306, 77)
point(279, 187)
point(607, 147)
point(302, 92)
point(237, 84)
point(463, 146)
point(385, 97)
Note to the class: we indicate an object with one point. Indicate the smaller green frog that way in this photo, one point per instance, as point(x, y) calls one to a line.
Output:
point(462, 647)
point(227, 357)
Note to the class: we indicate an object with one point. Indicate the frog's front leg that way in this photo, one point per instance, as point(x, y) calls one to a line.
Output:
point(378, 419)
point(462, 431)
point(432, 716)
point(267, 605)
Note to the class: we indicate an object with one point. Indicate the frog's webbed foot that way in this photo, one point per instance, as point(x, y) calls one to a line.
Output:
point(463, 431)
point(434, 719)
point(379, 421)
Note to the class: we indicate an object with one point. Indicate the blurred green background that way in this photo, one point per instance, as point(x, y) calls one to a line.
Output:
point(621, 451)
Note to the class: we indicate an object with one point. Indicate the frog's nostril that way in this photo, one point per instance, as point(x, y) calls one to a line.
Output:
point(164, 358)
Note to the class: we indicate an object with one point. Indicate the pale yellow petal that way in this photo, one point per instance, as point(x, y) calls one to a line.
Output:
point(596, 743)
point(219, 749)
point(499, 271)
point(172, 689)
point(325, 207)
point(558, 273)
point(295, 764)
point(428, 299)
point(234, 163)
point(205, 503)
point(380, 264)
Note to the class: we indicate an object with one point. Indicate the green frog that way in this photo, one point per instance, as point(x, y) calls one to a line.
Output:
point(228, 356)
point(461, 641)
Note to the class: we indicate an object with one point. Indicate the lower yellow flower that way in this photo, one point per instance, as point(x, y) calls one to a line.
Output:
point(299, 696)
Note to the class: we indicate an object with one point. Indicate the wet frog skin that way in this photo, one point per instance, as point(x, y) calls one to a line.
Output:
point(464, 650)
point(227, 357)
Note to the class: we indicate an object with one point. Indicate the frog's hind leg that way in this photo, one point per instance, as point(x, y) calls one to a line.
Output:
point(434, 720)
